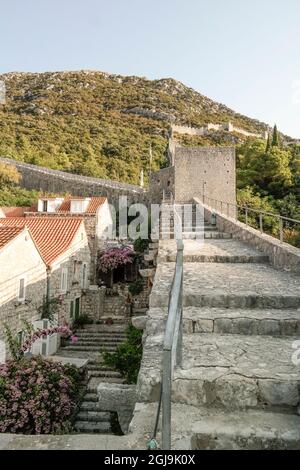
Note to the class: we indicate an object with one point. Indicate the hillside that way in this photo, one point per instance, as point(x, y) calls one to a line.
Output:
point(102, 125)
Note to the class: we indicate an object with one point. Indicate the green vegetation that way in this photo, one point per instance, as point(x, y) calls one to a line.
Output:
point(128, 356)
point(82, 320)
point(75, 121)
point(136, 287)
point(141, 244)
point(268, 179)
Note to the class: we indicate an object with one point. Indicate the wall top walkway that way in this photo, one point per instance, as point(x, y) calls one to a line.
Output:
point(73, 177)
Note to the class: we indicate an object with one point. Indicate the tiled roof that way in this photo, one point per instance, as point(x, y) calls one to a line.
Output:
point(52, 235)
point(8, 233)
point(92, 208)
point(14, 211)
point(95, 203)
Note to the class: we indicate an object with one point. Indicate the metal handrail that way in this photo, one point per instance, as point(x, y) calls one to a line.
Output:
point(248, 209)
point(172, 349)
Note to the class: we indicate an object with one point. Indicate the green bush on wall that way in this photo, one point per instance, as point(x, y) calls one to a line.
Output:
point(136, 287)
point(128, 356)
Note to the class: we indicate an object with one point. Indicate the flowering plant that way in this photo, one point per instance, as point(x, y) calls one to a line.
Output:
point(112, 258)
point(64, 330)
point(37, 396)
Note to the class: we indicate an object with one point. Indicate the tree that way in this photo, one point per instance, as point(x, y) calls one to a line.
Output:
point(9, 175)
point(275, 138)
point(268, 143)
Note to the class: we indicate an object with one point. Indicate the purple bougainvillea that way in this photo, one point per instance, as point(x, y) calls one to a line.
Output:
point(37, 396)
point(64, 330)
point(112, 258)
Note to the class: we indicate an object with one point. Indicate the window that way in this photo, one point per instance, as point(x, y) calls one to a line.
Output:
point(77, 206)
point(45, 206)
point(84, 276)
point(64, 280)
point(22, 289)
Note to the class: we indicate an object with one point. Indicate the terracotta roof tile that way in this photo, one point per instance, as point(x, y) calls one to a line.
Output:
point(52, 235)
point(14, 211)
point(8, 233)
point(95, 203)
point(92, 208)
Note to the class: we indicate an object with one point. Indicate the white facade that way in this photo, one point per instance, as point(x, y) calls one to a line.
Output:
point(49, 205)
point(104, 221)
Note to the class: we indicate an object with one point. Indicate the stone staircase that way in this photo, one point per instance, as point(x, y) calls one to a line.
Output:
point(93, 340)
point(241, 318)
point(193, 224)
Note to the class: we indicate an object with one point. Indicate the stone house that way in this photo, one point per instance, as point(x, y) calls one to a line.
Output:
point(64, 248)
point(23, 281)
point(95, 211)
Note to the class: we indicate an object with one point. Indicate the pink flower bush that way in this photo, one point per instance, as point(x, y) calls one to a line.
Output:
point(37, 396)
point(64, 330)
point(112, 258)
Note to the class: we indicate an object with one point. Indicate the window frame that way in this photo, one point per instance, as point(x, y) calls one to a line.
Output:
point(23, 298)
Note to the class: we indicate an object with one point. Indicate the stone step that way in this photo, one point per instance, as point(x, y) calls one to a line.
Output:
point(272, 322)
point(99, 348)
point(105, 371)
point(119, 324)
point(221, 258)
point(101, 334)
point(96, 342)
point(251, 430)
point(238, 372)
point(88, 398)
point(91, 406)
point(229, 285)
point(94, 416)
point(193, 235)
point(87, 427)
point(116, 380)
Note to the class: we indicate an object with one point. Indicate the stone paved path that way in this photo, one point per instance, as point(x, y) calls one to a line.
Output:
point(241, 318)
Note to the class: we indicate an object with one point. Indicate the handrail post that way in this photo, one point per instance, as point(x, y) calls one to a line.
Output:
point(261, 222)
point(246, 215)
point(166, 400)
point(281, 229)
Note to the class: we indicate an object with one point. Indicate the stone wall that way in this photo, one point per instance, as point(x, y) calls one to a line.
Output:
point(208, 171)
point(160, 181)
point(204, 130)
point(72, 260)
point(282, 255)
point(40, 178)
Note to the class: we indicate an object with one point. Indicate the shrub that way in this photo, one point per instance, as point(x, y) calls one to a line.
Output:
point(128, 356)
point(82, 320)
point(136, 287)
point(37, 396)
point(140, 245)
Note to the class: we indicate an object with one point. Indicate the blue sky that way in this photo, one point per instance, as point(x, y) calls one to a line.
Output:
point(245, 54)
